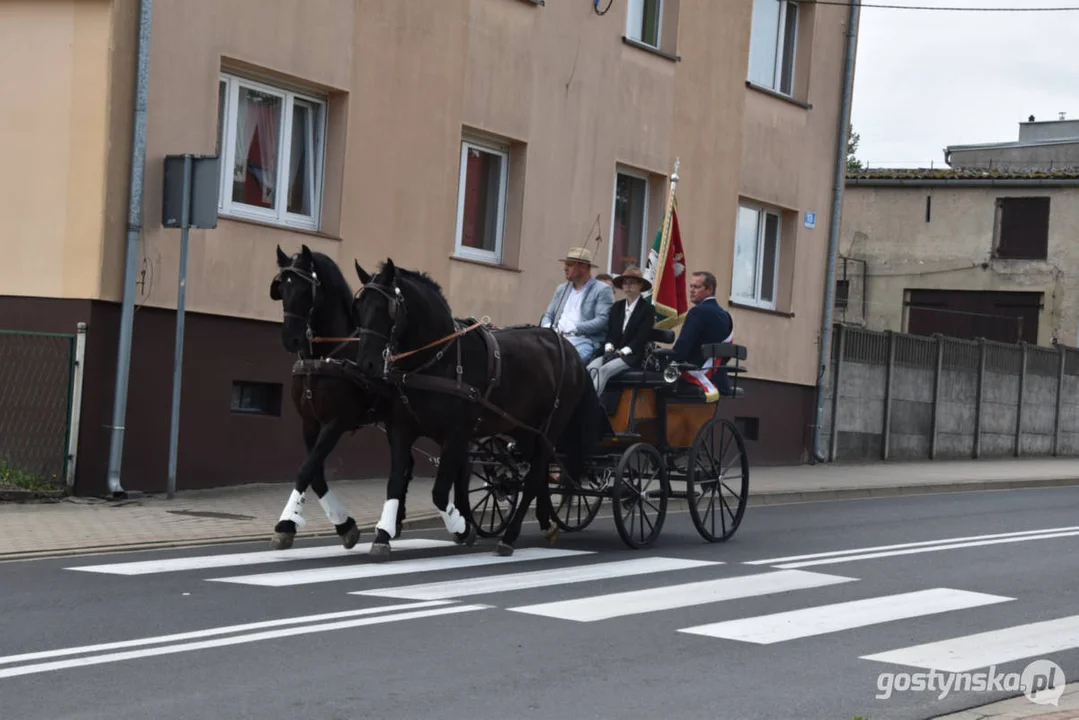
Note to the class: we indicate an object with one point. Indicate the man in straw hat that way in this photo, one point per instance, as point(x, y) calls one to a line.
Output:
point(629, 330)
point(580, 306)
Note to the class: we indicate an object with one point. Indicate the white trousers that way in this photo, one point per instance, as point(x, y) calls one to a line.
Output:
point(601, 372)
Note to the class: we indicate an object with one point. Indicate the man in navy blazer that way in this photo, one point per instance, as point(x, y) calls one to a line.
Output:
point(581, 306)
point(706, 322)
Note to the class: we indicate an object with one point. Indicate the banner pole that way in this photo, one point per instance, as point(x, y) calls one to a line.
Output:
point(665, 238)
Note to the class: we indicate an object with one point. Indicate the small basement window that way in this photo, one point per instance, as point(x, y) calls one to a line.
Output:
point(256, 398)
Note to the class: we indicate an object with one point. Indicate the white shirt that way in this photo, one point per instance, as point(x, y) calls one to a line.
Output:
point(571, 310)
point(629, 312)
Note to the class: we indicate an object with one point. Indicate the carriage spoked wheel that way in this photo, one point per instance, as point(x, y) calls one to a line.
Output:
point(717, 485)
point(641, 488)
point(494, 486)
point(574, 511)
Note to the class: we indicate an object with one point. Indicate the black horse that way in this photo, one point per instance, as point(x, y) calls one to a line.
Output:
point(458, 381)
point(331, 399)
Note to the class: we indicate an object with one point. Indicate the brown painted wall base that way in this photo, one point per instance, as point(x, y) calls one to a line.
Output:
point(221, 447)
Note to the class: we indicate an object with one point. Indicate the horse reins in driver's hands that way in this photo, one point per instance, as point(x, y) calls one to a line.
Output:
point(394, 358)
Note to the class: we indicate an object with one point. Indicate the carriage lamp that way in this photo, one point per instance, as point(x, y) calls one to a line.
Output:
point(671, 373)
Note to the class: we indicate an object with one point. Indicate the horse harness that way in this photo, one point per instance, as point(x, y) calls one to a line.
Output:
point(418, 380)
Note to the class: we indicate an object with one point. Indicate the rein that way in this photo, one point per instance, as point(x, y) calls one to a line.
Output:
point(394, 358)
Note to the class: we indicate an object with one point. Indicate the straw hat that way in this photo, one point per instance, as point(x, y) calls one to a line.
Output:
point(633, 272)
point(579, 255)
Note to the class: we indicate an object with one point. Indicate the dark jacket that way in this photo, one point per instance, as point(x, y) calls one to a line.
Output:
point(705, 324)
point(637, 333)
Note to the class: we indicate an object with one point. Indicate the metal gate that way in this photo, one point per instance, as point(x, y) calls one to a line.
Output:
point(40, 402)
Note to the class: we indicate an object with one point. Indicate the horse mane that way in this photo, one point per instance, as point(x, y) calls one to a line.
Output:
point(422, 279)
point(333, 281)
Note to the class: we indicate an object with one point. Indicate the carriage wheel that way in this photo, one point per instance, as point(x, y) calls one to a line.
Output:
point(717, 464)
point(494, 487)
point(574, 512)
point(640, 495)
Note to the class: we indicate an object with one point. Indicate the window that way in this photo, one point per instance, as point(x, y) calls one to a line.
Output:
point(1022, 228)
point(481, 202)
point(256, 398)
point(272, 143)
point(629, 223)
point(756, 257)
point(772, 44)
point(643, 21)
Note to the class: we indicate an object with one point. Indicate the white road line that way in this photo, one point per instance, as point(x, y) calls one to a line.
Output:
point(970, 652)
point(396, 567)
point(234, 640)
point(603, 607)
point(211, 632)
point(916, 551)
point(923, 543)
point(535, 579)
point(806, 622)
point(206, 562)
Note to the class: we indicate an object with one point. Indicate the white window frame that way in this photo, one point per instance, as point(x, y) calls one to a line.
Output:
point(279, 215)
point(645, 244)
point(762, 214)
point(635, 22)
point(471, 253)
point(779, 57)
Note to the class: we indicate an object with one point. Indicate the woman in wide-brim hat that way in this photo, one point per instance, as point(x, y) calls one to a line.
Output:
point(629, 329)
point(633, 273)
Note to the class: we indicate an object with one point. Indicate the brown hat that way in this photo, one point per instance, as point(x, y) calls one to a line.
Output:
point(579, 255)
point(633, 272)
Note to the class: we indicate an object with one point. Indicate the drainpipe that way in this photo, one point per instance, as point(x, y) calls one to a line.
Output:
point(134, 226)
point(833, 229)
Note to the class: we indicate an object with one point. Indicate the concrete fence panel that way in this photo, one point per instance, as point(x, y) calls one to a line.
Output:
point(910, 397)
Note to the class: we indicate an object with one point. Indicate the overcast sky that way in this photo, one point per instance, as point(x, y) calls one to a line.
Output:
point(928, 79)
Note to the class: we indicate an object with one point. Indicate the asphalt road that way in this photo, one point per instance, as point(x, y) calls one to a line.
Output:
point(280, 635)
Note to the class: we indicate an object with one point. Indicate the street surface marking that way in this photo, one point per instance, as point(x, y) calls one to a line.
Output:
point(395, 567)
point(234, 640)
point(970, 652)
point(535, 579)
point(603, 607)
point(915, 551)
point(806, 622)
point(206, 562)
point(210, 632)
point(901, 546)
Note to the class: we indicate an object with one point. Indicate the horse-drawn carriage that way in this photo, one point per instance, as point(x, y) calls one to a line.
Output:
point(505, 406)
point(662, 440)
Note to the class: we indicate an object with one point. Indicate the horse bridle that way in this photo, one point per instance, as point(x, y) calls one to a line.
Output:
point(396, 310)
point(312, 279)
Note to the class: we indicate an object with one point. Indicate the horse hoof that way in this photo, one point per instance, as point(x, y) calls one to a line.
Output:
point(551, 534)
point(468, 537)
point(503, 549)
point(379, 551)
point(282, 541)
point(351, 537)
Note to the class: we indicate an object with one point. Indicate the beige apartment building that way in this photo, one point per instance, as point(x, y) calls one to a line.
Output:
point(475, 139)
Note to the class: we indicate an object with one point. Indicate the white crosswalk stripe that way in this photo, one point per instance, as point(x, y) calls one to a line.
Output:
point(806, 622)
point(663, 585)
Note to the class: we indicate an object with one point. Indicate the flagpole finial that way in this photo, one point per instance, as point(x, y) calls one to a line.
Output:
point(674, 175)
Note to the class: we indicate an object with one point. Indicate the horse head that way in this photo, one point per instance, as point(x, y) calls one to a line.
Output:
point(314, 295)
point(397, 310)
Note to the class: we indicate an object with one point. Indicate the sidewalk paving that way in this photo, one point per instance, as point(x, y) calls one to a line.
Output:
point(1020, 708)
point(249, 512)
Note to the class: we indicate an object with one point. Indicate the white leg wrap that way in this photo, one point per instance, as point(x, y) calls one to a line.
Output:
point(333, 508)
point(455, 522)
point(388, 521)
point(294, 509)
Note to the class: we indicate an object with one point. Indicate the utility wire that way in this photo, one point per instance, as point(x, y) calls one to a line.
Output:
point(943, 9)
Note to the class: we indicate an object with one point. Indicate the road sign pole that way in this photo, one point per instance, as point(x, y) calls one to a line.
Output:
point(181, 296)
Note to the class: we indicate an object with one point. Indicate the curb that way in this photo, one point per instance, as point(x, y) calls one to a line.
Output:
point(431, 520)
point(425, 522)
